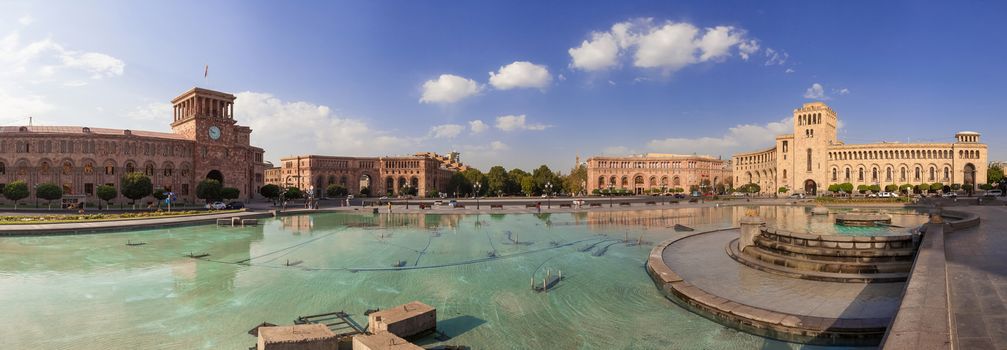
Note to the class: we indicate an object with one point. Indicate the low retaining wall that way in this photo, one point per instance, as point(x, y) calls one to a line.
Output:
point(838, 241)
point(121, 225)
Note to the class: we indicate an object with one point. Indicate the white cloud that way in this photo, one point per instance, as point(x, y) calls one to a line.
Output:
point(747, 48)
point(477, 126)
point(26, 20)
point(154, 111)
point(669, 46)
point(774, 57)
point(498, 146)
point(521, 74)
point(311, 128)
point(815, 92)
point(843, 92)
point(98, 64)
point(789, 70)
point(601, 52)
point(741, 138)
point(446, 131)
point(517, 122)
point(448, 88)
point(28, 69)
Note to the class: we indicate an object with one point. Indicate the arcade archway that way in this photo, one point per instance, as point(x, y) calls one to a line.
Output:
point(810, 187)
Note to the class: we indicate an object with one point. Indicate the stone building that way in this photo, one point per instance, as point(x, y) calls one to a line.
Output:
point(205, 142)
point(656, 171)
point(424, 172)
point(813, 158)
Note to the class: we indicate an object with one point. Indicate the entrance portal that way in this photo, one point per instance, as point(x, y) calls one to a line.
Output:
point(810, 188)
point(215, 175)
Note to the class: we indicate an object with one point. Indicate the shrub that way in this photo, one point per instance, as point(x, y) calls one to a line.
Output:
point(863, 188)
point(891, 188)
point(782, 190)
point(270, 191)
point(135, 185)
point(49, 192)
point(106, 193)
point(209, 190)
point(875, 188)
point(936, 186)
point(229, 193)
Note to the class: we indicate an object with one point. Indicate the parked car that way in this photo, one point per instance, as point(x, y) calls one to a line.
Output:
point(949, 195)
point(452, 203)
point(872, 195)
point(994, 193)
point(235, 205)
point(216, 206)
point(888, 195)
point(797, 195)
point(679, 196)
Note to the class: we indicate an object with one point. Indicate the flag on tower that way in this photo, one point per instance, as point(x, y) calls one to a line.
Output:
point(206, 70)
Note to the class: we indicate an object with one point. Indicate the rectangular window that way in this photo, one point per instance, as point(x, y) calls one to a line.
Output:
point(185, 189)
point(89, 189)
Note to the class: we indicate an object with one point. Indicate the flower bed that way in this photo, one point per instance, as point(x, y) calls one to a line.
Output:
point(69, 218)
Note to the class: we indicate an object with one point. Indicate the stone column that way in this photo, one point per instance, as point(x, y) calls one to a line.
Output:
point(751, 225)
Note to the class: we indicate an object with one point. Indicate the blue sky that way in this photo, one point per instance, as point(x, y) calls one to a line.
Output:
point(574, 78)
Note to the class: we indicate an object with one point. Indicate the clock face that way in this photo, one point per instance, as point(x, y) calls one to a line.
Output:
point(214, 132)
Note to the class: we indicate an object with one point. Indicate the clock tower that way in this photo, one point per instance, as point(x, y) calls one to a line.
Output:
point(221, 149)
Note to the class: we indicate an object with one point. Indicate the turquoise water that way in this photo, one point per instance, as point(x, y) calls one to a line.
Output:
point(94, 292)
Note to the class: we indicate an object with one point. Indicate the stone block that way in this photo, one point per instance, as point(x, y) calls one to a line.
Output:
point(382, 341)
point(297, 337)
point(405, 320)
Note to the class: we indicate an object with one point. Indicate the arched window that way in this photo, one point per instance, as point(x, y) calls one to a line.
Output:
point(933, 174)
point(860, 174)
point(44, 168)
point(3, 168)
point(130, 168)
point(888, 174)
point(88, 169)
point(874, 174)
point(847, 174)
point(834, 171)
point(918, 175)
point(947, 174)
point(903, 177)
point(67, 168)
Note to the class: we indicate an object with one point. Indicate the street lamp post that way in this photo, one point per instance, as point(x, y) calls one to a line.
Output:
point(477, 187)
point(406, 190)
point(548, 194)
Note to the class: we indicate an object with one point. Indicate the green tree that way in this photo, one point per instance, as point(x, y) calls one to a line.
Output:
point(334, 190)
point(782, 190)
point(863, 189)
point(846, 187)
point(106, 193)
point(472, 177)
point(365, 191)
point(994, 173)
point(574, 183)
point(891, 188)
point(459, 184)
point(956, 187)
point(528, 185)
point(936, 186)
point(875, 188)
point(516, 179)
point(160, 195)
point(48, 192)
point(270, 191)
point(985, 187)
point(497, 180)
point(905, 188)
point(293, 193)
point(923, 188)
point(834, 188)
point(209, 190)
point(16, 191)
point(135, 185)
point(543, 175)
point(229, 193)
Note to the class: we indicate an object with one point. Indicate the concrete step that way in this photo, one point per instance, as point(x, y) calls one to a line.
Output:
point(835, 254)
point(799, 263)
point(750, 261)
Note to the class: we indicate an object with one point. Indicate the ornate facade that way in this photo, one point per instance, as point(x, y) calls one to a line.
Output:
point(424, 172)
point(813, 158)
point(205, 142)
point(656, 171)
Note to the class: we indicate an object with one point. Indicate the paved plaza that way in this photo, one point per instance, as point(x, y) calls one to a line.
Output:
point(977, 280)
point(701, 261)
